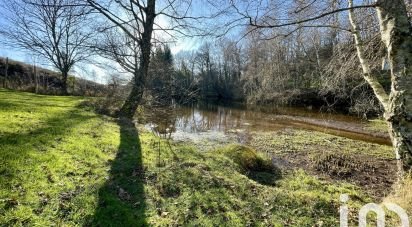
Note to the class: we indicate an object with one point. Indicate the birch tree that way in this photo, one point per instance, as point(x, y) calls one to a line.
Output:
point(396, 34)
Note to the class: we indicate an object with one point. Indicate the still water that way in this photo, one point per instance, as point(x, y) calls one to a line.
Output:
point(213, 121)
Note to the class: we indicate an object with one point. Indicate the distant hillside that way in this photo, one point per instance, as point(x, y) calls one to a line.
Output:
point(22, 76)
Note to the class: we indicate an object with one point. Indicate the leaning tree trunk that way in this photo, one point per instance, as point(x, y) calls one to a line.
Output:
point(132, 102)
point(129, 107)
point(396, 33)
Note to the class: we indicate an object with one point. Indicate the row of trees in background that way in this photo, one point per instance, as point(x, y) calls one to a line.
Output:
point(306, 68)
point(292, 48)
point(211, 72)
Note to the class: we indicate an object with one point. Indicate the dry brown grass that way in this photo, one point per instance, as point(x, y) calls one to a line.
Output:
point(402, 194)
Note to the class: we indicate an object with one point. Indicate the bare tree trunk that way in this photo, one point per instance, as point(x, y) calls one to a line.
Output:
point(44, 82)
point(36, 80)
point(6, 73)
point(129, 107)
point(64, 83)
point(396, 33)
point(377, 87)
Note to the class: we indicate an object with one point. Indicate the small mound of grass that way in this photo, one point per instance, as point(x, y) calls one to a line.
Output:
point(247, 158)
point(252, 164)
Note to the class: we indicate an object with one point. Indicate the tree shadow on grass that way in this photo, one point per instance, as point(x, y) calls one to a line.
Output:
point(18, 147)
point(121, 199)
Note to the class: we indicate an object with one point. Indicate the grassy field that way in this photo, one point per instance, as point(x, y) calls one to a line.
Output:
point(62, 164)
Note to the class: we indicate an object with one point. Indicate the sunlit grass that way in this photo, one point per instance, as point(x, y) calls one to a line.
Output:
point(53, 157)
point(64, 165)
point(377, 125)
point(306, 142)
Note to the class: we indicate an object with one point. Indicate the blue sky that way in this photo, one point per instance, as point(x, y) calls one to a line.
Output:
point(199, 7)
point(181, 44)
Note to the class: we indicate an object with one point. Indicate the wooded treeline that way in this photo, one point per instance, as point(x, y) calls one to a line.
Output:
point(305, 69)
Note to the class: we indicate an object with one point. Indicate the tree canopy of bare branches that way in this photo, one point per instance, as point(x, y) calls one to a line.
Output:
point(50, 29)
point(135, 26)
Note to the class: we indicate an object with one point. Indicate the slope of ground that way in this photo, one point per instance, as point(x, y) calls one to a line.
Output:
point(21, 76)
point(65, 165)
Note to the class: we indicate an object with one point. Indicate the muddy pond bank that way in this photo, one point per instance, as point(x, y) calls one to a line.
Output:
point(210, 120)
point(334, 147)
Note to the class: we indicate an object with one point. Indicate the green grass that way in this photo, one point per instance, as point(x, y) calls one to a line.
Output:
point(307, 142)
point(377, 125)
point(53, 157)
point(65, 165)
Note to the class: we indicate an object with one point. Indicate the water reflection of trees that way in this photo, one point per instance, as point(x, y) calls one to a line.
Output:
point(196, 118)
point(162, 121)
point(203, 117)
point(209, 117)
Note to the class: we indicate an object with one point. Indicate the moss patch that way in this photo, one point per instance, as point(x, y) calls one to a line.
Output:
point(247, 158)
point(252, 164)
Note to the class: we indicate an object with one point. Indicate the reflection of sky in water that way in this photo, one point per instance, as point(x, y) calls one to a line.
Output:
point(219, 137)
point(220, 120)
point(212, 122)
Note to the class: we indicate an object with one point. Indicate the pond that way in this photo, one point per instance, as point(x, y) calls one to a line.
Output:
point(206, 121)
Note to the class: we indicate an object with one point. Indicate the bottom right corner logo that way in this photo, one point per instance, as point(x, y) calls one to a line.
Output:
point(371, 207)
